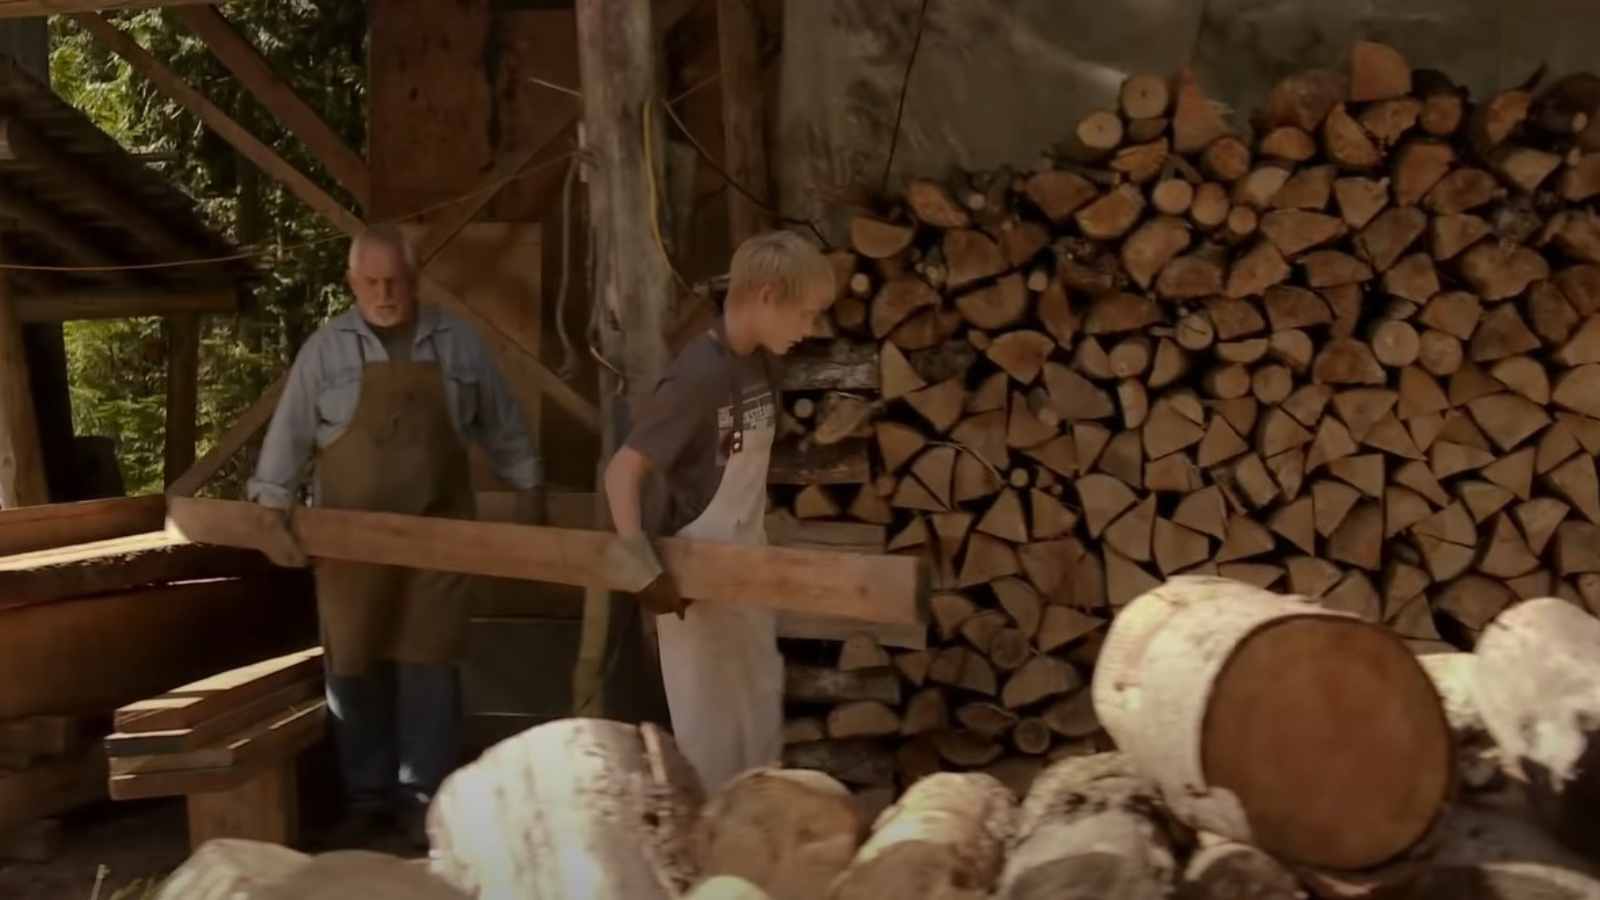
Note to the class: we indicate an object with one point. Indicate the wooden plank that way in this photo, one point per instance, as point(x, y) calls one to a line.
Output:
point(22, 481)
point(871, 588)
point(252, 148)
point(183, 394)
point(125, 302)
point(94, 654)
point(257, 75)
point(192, 704)
point(267, 738)
point(243, 430)
point(209, 731)
point(117, 564)
point(20, 9)
point(64, 524)
point(743, 118)
point(51, 788)
point(291, 736)
point(266, 807)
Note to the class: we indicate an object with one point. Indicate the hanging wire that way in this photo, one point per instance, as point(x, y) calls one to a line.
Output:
point(900, 109)
point(568, 369)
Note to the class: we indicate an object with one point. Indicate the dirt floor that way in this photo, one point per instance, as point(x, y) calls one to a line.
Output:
point(136, 843)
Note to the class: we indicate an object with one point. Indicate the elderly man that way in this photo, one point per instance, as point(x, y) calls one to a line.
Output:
point(707, 434)
point(383, 399)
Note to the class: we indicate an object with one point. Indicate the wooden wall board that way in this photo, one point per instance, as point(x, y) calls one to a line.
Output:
point(95, 654)
point(51, 787)
point(117, 564)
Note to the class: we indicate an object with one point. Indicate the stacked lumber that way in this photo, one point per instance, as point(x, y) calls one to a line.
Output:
point(1352, 353)
point(228, 743)
point(1305, 754)
point(100, 607)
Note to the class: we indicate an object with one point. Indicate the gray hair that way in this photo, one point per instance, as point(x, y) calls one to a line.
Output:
point(389, 236)
point(782, 258)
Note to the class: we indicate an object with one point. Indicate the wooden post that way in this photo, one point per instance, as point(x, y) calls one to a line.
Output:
point(743, 118)
point(617, 50)
point(183, 377)
point(22, 481)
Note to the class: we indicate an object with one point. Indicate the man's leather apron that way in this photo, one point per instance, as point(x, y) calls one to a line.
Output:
point(399, 454)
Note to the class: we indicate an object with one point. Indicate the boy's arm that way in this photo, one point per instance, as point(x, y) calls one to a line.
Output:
point(636, 560)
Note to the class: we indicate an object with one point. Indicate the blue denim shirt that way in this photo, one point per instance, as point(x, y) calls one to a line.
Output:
point(324, 386)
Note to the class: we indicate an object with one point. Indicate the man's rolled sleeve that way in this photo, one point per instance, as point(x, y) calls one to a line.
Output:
point(291, 436)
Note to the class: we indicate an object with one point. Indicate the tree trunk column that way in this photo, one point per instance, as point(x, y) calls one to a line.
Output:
point(183, 377)
point(617, 57)
point(22, 481)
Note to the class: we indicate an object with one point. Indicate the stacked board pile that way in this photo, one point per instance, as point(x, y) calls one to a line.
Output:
point(1352, 352)
point(100, 607)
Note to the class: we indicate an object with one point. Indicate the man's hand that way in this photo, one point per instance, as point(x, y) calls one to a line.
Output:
point(634, 560)
point(282, 547)
point(531, 506)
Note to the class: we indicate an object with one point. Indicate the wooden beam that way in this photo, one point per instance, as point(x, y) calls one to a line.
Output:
point(871, 588)
point(265, 158)
point(21, 9)
point(743, 118)
point(117, 564)
point(19, 142)
point(183, 393)
point(63, 524)
point(244, 428)
point(256, 73)
point(97, 653)
point(22, 481)
point(125, 302)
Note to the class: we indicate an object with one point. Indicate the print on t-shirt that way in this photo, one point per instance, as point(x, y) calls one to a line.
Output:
point(757, 413)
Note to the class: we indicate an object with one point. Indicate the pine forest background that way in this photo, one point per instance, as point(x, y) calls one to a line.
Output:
point(117, 368)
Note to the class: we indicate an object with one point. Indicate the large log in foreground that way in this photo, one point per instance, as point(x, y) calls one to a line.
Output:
point(1309, 733)
point(817, 582)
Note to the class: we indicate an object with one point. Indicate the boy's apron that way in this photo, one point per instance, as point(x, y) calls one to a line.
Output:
point(399, 454)
point(720, 663)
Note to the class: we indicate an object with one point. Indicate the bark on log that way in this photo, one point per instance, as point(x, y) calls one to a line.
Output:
point(1179, 715)
point(946, 836)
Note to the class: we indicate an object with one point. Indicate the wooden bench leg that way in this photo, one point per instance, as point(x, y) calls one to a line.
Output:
point(264, 808)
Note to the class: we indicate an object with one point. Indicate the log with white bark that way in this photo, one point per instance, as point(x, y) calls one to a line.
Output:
point(786, 831)
point(525, 819)
point(945, 838)
point(1285, 701)
point(1089, 830)
point(1537, 687)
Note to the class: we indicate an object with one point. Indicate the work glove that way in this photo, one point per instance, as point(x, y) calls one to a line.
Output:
point(640, 573)
point(278, 540)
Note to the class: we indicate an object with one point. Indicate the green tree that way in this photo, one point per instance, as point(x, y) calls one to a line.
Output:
point(117, 368)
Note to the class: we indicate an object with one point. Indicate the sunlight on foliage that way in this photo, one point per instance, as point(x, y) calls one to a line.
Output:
point(118, 368)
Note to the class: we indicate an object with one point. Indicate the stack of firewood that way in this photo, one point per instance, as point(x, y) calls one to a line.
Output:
point(1354, 354)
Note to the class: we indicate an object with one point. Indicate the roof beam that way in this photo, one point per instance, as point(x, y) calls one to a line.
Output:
point(252, 69)
point(121, 303)
point(20, 143)
point(58, 232)
point(21, 9)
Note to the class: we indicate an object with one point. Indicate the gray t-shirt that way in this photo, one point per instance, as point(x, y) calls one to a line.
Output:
point(397, 339)
point(686, 428)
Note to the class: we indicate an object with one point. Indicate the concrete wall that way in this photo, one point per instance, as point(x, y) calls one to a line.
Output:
point(997, 82)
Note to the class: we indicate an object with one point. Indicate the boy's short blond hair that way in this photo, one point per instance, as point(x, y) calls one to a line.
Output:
point(782, 258)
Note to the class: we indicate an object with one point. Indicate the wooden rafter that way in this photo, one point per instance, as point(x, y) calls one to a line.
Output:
point(19, 142)
point(21, 9)
point(118, 303)
point(252, 69)
point(513, 354)
point(58, 232)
